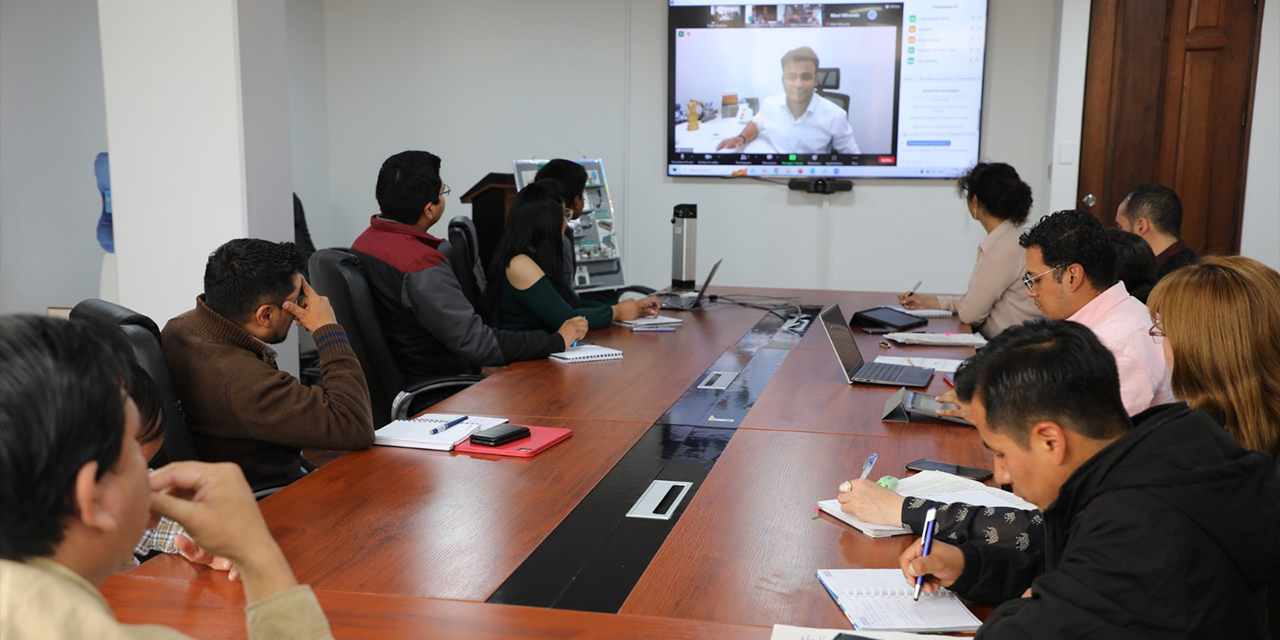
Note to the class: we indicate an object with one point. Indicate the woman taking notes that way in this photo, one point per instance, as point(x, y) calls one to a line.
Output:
point(521, 293)
point(999, 200)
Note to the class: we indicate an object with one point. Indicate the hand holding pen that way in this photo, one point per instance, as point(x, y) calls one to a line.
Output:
point(847, 486)
point(940, 568)
point(876, 503)
point(910, 300)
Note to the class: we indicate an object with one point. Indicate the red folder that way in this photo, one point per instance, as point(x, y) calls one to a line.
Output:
point(540, 438)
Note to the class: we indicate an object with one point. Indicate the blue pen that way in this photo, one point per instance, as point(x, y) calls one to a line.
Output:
point(575, 343)
point(930, 519)
point(452, 423)
point(846, 487)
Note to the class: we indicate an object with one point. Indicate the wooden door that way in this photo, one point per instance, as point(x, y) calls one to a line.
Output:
point(1168, 99)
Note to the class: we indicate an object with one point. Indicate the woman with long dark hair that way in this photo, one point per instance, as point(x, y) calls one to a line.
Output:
point(526, 289)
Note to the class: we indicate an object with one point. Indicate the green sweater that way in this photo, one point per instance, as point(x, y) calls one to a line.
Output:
point(541, 308)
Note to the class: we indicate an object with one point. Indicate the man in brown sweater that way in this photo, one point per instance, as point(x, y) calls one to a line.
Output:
point(239, 406)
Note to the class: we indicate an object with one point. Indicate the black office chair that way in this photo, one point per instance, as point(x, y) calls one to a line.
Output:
point(340, 276)
point(143, 336)
point(841, 99)
point(466, 262)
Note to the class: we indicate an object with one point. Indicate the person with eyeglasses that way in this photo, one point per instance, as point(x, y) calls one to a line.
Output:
point(1218, 322)
point(999, 200)
point(430, 325)
point(1071, 275)
point(525, 292)
point(797, 120)
point(571, 178)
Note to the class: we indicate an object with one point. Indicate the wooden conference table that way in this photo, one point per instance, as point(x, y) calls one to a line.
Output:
point(394, 539)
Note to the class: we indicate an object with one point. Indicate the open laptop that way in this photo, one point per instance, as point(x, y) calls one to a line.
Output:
point(856, 369)
point(687, 302)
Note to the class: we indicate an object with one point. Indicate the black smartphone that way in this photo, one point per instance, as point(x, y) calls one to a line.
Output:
point(877, 331)
point(924, 464)
point(499, 435)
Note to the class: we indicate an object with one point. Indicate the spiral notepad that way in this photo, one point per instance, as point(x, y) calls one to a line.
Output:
point(881, 600)
point(415, 433)
point(925, 313)
point(587, 353)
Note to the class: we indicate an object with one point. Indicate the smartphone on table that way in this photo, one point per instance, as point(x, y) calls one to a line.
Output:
point(924, 464)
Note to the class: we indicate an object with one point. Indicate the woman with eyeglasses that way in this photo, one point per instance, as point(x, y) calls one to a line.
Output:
point(1000, 201)
point(1219, 323)
point(520, 292)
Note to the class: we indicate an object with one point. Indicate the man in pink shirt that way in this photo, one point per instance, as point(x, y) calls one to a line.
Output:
point(1071, 275)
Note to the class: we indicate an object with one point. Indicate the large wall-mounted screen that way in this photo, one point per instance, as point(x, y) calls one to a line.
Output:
point(825, 89)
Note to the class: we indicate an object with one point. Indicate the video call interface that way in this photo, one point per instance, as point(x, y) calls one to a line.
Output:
point(825, 89)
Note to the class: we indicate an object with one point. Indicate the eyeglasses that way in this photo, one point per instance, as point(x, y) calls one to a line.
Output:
point(792, 77)
point(444, 189)
point(1030, 281)
point(1157, 333)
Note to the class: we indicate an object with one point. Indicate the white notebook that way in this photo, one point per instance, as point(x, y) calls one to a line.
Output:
point(416, 433)
point(658, 321)
point(788, 632)
point(931, 485)
point(940, 339)
point(881, 600)
point(587, 353)
point(924, 313)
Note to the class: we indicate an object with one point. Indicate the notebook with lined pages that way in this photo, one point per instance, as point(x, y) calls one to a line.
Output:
point(881, 600)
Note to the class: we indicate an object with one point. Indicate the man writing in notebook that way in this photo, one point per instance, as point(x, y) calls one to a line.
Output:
point(1160, 528)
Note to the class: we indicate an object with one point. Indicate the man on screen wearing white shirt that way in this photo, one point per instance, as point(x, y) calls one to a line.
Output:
point(797, 120)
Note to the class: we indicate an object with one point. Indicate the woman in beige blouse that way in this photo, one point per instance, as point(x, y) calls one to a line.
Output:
point(999, 200)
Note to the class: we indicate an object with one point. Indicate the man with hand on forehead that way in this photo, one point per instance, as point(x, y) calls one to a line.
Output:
point(239, 405)
point(76, 496)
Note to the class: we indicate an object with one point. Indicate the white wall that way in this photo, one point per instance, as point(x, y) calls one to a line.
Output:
point(52, 125)
point(1070, 56)
point(1260, 236)
point(467, 81)
point(309, 116)
point(477, 93)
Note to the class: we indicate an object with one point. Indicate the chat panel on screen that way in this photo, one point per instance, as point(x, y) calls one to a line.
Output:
point(824, 89)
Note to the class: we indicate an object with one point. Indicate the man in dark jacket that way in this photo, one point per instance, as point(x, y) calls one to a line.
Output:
point(1166, 529)
point(429, 324)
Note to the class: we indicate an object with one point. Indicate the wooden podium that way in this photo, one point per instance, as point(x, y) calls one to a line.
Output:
point(490, 201)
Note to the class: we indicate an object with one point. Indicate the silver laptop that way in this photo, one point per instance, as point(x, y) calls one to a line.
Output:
point(688, 303)
point(855, 368)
